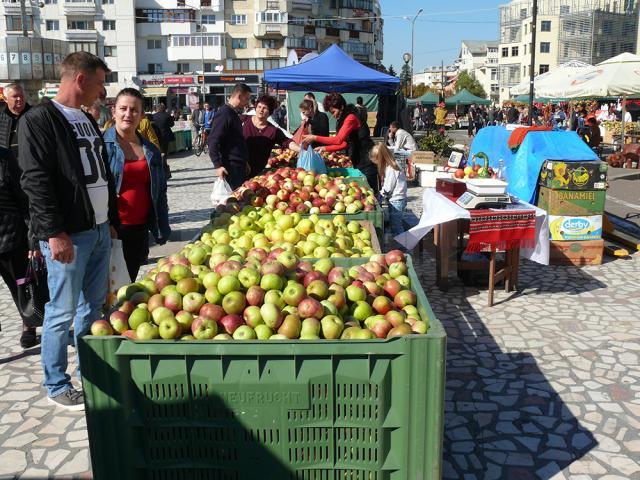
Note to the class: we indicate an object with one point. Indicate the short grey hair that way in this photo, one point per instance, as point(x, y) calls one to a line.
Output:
point(14, 86)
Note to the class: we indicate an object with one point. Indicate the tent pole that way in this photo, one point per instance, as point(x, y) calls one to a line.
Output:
point(624, 112)
point(532, 68)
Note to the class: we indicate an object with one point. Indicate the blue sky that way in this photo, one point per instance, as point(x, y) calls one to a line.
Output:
point(437, 38)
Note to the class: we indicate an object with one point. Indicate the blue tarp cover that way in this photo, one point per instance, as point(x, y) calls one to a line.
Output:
point(332, 71)
point(523, 167)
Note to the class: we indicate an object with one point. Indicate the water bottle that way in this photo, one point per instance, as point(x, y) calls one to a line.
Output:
point(502, 173)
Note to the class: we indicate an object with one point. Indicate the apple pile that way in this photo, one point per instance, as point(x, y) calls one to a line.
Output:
point(266, 230)
point(336, 160)
point(282, 157)
point(275, 297)
point(297, 190)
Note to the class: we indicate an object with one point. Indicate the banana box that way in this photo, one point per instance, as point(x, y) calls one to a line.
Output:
point(572, 202)
point(575, 228)
point(560, 175)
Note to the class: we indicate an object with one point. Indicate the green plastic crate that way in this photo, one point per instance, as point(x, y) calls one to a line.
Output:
point(290, 410)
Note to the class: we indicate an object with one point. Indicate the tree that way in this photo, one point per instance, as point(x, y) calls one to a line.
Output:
point(392, 71)
point(465, 80)
point(420, 90)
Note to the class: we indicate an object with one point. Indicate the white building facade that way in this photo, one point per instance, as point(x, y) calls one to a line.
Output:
point(480, 59)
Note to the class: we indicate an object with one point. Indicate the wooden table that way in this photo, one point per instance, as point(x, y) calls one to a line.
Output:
point(449, 242)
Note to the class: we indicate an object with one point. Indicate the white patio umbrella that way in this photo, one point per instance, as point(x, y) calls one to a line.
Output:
point(617, 77)
point(551, 78)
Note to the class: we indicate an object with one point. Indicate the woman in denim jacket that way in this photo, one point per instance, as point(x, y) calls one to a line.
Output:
point(136, 166)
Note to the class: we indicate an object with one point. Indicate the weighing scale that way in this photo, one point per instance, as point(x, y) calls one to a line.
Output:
point(471, 201)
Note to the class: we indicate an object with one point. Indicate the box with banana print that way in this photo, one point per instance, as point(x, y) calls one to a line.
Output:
point(560, 175)
point(575, 228)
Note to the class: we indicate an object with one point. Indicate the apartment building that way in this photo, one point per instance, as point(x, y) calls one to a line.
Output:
point(586, 30)
point(480, 59)
point(433, 77)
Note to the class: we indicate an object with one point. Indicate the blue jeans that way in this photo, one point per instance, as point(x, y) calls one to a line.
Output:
point(396, 213)
point(76, 290)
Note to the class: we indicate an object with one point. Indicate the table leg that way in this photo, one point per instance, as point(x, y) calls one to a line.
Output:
point(515, 269)
point(492, 276)
point(443, 252)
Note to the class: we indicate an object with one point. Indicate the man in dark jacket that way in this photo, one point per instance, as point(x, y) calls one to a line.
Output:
point(72, 202)
point(164, 121)
point(10, 112)
point(227, 147)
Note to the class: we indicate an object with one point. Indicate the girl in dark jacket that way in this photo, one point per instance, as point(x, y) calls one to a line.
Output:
point(140, 181)
point(14, 246)
point(352, 136)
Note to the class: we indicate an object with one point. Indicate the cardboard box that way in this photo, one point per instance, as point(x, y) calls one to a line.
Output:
point(560, 175)
point(572, 202)
point(576, 253)
point(428, 179)
point(575, 228)
point(423, 157)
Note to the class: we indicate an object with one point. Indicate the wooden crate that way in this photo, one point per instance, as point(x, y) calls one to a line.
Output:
point(588, 252)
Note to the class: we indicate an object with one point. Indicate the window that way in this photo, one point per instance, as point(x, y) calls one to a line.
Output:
point(505, 51)
point(304, 42)
point(543, 69)
point(210, 67)
point(607, 27)
point(154, 67)
point(211, 40)
point(154, 44)
point(525, 49)
point(614, 49)
point(271, 44)
point(238, 43)
point(80, 25)
point(545, 47)
point(164, 15)
point(254, 64)
point(53, 25)
point(82, 47)
point(111, 77)
point(626, 47)
point(270, 17)
point(564, 9)
point(107, 2)
point(238, 19)
point(359, 4)
point(182, 67)
point(545, 26)
point(14, 23)
point(493, 49)
point(495, 90)
point(208, 19)
point(494, 74)
point(108, 25)
point(110, 51)
point(628, 29)
point(523, 13)
point(514, 51)
point(50, 2)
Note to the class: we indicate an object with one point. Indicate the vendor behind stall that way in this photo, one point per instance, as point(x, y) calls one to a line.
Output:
point(352, 136)
point(261, 136)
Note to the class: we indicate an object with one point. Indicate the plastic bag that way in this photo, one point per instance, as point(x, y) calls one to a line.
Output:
point(118, 272)
point(221, 192)
point(311, 161)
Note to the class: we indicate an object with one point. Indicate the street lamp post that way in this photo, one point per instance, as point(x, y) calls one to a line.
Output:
point(407, 57)
point(413, 24)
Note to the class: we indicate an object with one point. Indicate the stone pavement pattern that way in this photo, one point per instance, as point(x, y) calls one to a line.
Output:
point(544, 385)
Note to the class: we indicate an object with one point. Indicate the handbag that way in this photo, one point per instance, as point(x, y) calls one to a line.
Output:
point(33, 292)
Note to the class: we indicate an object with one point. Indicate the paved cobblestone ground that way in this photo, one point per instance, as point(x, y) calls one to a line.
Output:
point(546, 384)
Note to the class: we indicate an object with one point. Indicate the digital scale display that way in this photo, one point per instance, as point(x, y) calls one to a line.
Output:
point(470, 201)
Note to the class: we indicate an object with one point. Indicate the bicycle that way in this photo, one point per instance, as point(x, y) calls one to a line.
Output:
point(199, 144)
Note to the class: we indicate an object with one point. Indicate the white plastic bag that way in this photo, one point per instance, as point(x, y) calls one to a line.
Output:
point(118, 273)
point(221, 191)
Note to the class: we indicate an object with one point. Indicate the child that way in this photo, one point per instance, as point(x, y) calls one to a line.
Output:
point(394, 187)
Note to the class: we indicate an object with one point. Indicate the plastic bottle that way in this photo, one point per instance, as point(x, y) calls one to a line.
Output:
point(502, 172)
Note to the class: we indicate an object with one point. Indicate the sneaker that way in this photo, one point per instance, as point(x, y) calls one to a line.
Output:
point(72, 400)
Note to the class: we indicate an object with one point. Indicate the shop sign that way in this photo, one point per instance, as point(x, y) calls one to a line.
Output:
point(231, 79)
point(178, 80)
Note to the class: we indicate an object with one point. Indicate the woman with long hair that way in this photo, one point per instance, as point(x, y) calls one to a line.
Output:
point(394, 185)
point(136, 165)
point(313, 121)
point(352, 135)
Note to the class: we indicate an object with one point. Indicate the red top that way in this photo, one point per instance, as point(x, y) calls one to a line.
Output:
point(339, 142)
point(134, 201)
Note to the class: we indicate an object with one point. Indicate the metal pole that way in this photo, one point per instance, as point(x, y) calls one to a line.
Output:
point(442, 78)
point(23, 18)
point(413, 24)
point(202, 52)
point(532, 68)
point(624, 112)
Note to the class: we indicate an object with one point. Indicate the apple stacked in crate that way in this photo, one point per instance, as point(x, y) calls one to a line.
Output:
point(573, 194)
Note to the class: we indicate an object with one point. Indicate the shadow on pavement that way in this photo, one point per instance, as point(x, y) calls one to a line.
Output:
point(189, 215)
point(25, 353)
point(503, 419)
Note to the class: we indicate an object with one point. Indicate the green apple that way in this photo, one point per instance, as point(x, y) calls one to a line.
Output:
point(244, 332)
point(356, 293)
point(310, 327)
point(252, 316)
point(138, 316)
point(271, 315)
point(212, 295)
point(324, 265)
point(169, 329)
point(329, 307)
point(332, 327)
point(293, 294)
point(228, 284)
point(275, 297)
point(263, 332)
point(185, 319)
point(362, 310)
point(160, 314)
point(272, 281)
point(147, 331)
point(234, 303)
point(211, 280)
point(249, 277)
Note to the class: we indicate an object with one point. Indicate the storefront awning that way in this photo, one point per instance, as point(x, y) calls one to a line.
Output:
point(155, 91)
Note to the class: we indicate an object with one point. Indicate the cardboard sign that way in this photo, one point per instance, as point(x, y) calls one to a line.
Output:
point(575, 228)
point(572, 202)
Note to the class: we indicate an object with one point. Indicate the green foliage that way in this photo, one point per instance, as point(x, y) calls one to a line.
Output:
point(421, 89)
point(436, 143)
point(392, 71)
point(470, 83)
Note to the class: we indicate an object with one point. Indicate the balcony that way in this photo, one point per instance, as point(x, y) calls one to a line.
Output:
point(209, 53)
point(332, 32)
point(215, 5)
point(79, 8)
point(82, 35)
point(270, 30)
point(165, 28)
point(12, 7)
point(303, 5)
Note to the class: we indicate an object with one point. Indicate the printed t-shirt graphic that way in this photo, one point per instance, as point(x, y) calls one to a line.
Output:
point(91, 146)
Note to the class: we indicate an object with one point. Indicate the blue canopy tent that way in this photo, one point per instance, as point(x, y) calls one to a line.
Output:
point(523, 167)
point(332, 71)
